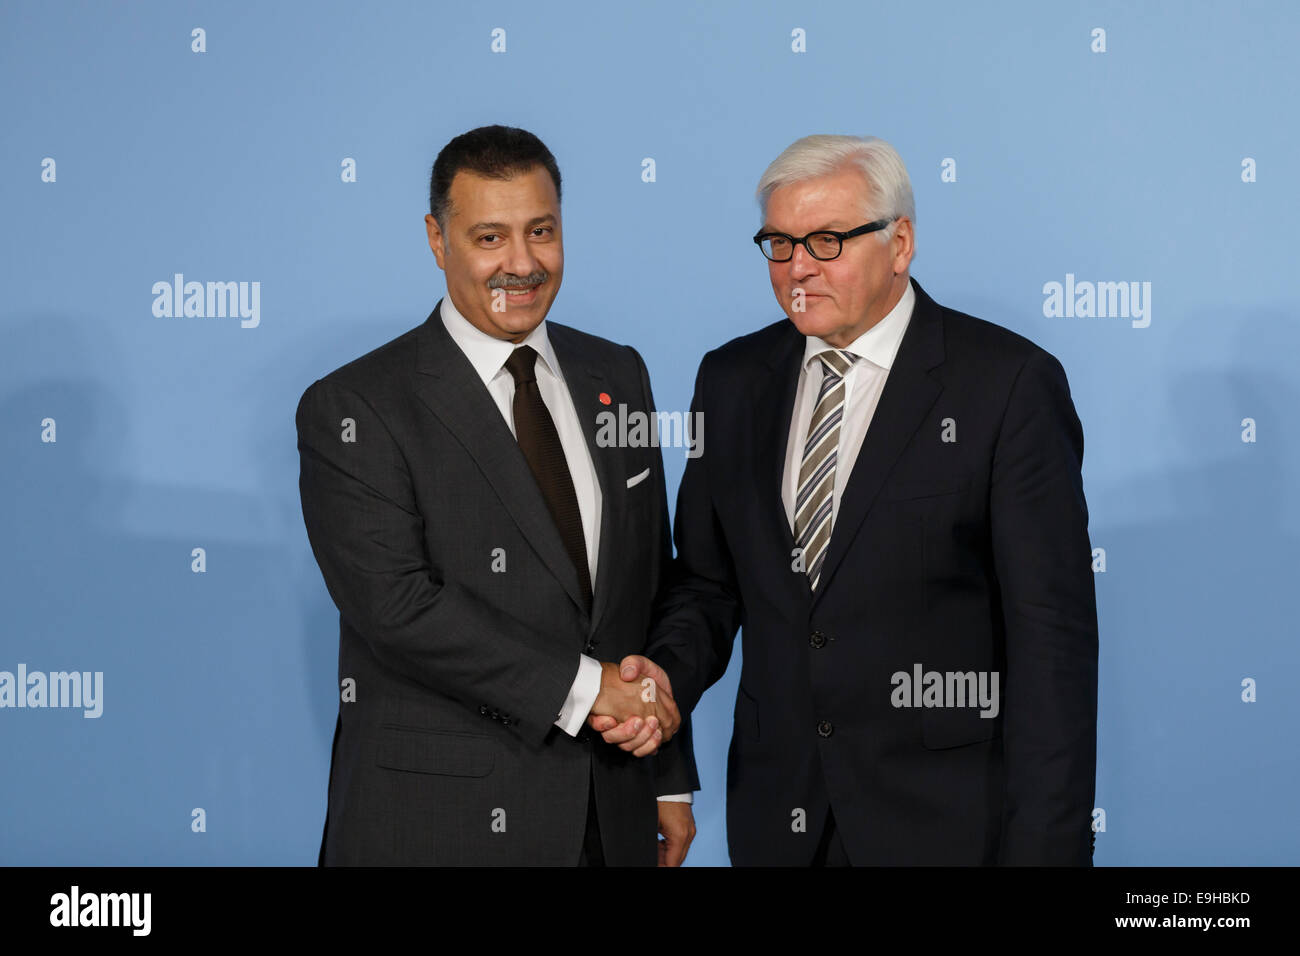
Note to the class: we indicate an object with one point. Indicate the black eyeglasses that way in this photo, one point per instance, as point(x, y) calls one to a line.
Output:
point(823, 245)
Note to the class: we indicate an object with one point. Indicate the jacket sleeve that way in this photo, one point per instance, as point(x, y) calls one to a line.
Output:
point(699, 610)
point(366, 531)
point(674, 764)
point(1042, 558)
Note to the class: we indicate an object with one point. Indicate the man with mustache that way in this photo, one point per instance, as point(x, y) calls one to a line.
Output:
point(490, 561)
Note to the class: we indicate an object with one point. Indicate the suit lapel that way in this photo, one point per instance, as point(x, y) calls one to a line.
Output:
point(585, 380)
point(453, 391)
point(773, 404)
point(909, 394)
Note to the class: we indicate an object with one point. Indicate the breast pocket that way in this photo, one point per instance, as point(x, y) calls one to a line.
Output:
point(638, 491)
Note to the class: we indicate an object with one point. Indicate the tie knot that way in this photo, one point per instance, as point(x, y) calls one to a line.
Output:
point(521, 364)
point(836, 361)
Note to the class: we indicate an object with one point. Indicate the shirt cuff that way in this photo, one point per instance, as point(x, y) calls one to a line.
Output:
point(582, 696)
point(678, 798)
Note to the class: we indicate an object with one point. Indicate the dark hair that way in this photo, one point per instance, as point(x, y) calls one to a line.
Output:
point(497, 152)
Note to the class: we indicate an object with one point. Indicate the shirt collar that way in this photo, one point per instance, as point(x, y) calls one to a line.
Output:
point(879, 344)
point(487, 353)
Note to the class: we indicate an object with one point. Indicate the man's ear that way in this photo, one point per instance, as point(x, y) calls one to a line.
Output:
point(435, 240)
point(904, 246)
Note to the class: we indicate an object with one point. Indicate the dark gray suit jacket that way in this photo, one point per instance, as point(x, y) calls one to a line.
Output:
point(449, 754)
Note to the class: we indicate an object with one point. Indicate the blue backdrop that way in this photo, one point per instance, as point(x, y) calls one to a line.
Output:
point(1067, 143)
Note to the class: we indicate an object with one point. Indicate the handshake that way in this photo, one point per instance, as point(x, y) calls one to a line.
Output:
point(635, 709)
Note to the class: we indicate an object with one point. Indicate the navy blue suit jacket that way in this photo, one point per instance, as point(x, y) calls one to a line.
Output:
point(968, 556)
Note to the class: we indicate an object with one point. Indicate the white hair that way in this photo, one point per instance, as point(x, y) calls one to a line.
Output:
point(819, 155)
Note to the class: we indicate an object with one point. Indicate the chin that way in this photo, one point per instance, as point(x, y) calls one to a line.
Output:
point(815, 326)
point(520, 324)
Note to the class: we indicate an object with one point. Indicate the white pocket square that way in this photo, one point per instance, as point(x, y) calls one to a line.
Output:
point(637, 479)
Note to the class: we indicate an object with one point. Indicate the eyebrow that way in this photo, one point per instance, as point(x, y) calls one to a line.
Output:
point(505, 227)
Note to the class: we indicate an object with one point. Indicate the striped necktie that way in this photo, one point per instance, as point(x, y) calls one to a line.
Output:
point(815, 495)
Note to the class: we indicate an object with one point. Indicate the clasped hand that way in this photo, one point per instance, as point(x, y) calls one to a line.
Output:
point(635, 709)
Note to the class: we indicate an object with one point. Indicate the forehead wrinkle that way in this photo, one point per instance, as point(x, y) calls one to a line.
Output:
point(833, 225)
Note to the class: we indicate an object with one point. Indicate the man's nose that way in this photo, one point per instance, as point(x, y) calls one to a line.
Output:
point(802, 263)
point(520, 260)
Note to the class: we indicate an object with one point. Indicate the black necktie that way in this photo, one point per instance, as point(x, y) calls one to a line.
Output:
point(540, 443)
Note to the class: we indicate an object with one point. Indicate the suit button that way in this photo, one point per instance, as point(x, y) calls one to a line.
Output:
point(483, 710)
point(590, 648)
point(817, 639)
point(825, 729)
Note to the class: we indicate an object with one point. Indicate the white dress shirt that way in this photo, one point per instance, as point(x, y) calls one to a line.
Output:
point(488, 355)
point(876, 349)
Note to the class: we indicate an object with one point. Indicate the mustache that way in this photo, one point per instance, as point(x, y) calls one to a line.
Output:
point(511, 281)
